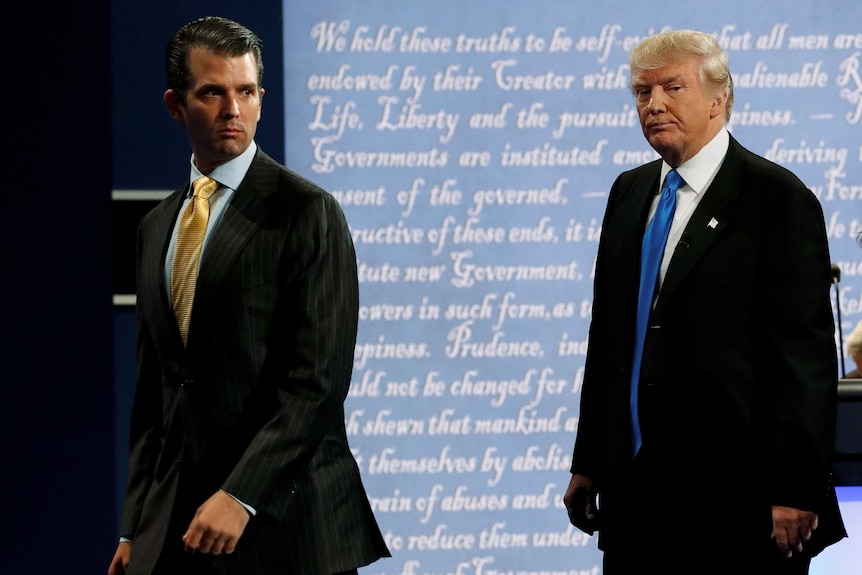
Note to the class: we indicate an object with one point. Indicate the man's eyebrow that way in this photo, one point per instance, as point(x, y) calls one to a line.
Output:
point(663, 80)
point(221, 87)
point(210, 86)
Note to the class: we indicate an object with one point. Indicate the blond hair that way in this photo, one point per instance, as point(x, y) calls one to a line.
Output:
point(667, 47)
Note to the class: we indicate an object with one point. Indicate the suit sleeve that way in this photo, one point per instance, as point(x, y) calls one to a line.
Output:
point(589, 439)
point(146, 420)
point(797, 348)
point(309, 355)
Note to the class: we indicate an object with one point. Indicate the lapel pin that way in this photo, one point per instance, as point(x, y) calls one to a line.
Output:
point(712, 223)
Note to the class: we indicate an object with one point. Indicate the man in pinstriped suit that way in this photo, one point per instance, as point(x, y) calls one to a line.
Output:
point(239, 456)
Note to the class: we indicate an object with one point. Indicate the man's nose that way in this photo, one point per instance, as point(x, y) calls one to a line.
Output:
point(231, 107)
point(657, 101)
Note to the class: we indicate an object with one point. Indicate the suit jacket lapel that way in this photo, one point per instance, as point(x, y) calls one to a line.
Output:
point(243, 216)
point(152, 283)
point(707, 222)
point(638, 208)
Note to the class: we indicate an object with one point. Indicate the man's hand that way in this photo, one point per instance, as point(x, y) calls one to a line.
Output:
point(217, 525)
point(121, 559)
point(791, 528)
point(580, 500)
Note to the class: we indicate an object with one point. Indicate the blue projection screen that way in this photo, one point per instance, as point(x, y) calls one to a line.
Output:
point(472, 146)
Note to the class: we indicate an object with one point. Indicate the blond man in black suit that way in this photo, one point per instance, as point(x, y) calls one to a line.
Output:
point(718, 459)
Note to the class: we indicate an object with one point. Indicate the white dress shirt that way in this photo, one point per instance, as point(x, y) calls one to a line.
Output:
point(697, 173)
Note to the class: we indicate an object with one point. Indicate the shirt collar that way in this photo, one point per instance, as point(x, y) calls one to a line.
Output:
point(699, 170)
point(231, 173)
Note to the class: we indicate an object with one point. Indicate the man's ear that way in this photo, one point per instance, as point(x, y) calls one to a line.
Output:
point(174, 104)
point(719, 103)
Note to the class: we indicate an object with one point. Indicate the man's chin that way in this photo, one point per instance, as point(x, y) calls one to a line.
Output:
point(661, 143)
point(230, 148)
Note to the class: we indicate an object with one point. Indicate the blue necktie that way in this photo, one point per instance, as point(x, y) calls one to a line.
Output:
point(652, 251)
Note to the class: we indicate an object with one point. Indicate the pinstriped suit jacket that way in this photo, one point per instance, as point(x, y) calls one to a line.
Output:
point(254, 403)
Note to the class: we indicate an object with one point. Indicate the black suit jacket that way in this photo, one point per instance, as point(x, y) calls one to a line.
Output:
point(738, 386)
point(254, 403)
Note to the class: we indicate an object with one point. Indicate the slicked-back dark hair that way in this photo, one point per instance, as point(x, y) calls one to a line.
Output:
point(215, 34)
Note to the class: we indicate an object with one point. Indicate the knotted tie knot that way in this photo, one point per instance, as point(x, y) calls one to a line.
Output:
point(204, 187)
point(672, 181)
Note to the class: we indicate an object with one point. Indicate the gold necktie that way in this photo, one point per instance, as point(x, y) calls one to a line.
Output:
point(187, 254)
